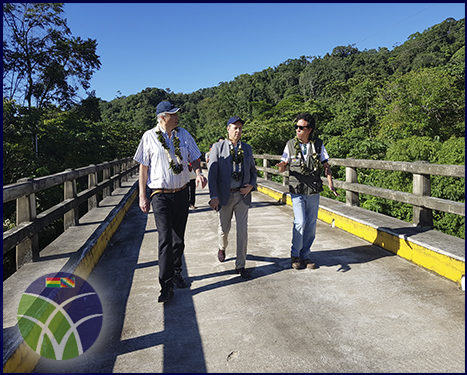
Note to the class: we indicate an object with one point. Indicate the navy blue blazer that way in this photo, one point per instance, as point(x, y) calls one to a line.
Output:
point(221, 168)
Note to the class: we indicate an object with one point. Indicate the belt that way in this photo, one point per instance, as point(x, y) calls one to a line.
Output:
point(158, 191)
point(235, 189)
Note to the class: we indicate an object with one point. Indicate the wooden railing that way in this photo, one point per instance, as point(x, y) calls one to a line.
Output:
point(29, 223)
point(420, 198)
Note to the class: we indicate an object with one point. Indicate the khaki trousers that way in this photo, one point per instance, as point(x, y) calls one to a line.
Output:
point(237, 205)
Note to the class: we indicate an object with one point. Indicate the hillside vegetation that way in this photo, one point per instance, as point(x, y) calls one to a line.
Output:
point(403, 104)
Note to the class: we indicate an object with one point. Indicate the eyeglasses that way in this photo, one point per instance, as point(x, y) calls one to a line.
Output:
point(301, 127)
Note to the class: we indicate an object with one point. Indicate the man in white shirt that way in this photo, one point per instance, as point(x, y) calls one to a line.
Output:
point(164, 153)
point(305, 156)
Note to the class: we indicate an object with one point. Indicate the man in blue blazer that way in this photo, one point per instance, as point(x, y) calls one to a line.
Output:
point(231, 178)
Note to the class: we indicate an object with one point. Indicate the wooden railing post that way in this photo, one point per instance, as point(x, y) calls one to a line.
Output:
point(27, 250)
point(351, 198)
point(70, 218)
point(117, 182)
point(266, 165)
point(422, 217)
point(105, 176)
point(92, 181)
point(124, 168)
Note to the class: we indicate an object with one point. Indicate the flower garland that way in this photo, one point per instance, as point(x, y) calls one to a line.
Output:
point(303, 167)
point(177, 167)
point(237, 159)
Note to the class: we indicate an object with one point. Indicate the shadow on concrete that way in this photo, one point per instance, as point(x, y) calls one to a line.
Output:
point(113, 279)
point(265, 204)
point(330, 258)
point(327, 258)
point(140, 343)
point(392, 238)
point(183, 349)
point(154, 263)
point(345, 257)
point(12, 331)
point(91, 222)
point(56, 256)
point(279, 264)
point(200, 210)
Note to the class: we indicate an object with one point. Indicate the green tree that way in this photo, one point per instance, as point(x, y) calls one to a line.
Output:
point(427, 102)
point(43, 62)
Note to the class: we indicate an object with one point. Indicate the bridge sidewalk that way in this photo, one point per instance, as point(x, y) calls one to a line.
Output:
point(363, 310)
point(429, 248)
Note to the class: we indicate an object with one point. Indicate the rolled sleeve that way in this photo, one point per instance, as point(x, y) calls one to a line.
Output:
point(324, 157)
point(285, 155)
point(142, 154)
point(193, 151)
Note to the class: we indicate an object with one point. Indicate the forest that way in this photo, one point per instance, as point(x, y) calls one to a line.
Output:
point(405, 104)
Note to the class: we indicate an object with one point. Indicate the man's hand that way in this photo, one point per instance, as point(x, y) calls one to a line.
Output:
point(333, 189)
point(328, 173)
point(246, 189)
point(144, 204)
point(282, 165)
point(200, 179)
point(214, 203)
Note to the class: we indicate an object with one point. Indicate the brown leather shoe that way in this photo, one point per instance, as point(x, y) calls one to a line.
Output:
point(297, 263)
point(221, 255)
point(309, 264)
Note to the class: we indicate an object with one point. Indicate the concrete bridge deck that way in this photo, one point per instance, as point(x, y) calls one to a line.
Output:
point(363, 310)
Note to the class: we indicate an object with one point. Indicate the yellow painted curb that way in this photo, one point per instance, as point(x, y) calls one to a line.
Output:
point(89, 262)
point(444, 265)
point(24, 359)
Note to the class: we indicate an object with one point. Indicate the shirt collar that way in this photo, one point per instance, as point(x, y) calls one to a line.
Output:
point(231, 144)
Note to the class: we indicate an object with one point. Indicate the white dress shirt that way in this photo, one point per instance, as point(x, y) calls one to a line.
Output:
point(152, 154)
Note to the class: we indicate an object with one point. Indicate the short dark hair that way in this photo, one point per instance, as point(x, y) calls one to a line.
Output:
point(306, 117)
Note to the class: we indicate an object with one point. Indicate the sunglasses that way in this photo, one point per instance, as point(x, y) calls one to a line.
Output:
point(301, 127)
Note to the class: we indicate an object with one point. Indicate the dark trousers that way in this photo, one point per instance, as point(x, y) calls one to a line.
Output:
point(171, 214)
point(192, 189)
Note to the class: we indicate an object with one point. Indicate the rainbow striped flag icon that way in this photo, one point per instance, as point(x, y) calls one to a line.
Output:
point(60, 282)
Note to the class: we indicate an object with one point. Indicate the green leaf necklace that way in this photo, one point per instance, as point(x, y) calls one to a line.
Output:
point(314, 158)
point(237, 159)
point(177, 167)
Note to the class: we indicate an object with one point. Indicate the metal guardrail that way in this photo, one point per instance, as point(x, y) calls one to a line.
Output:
point(29, 223)
point(420, 198)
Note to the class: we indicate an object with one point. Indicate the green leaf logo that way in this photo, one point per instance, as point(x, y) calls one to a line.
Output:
point(63, 321)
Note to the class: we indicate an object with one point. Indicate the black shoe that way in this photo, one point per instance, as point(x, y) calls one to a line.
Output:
point(179, 281)
point(244, 274)
point(166, 295)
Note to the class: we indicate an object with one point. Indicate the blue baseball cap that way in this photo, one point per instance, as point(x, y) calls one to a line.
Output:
point(234, 119)
point(167, 107)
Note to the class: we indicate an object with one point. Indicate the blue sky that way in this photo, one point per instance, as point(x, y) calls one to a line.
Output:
point(189, 46)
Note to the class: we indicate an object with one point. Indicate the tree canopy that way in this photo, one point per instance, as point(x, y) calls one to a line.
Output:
point(406, 104)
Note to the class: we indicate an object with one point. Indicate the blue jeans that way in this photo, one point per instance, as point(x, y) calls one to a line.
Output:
point(305, 210)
